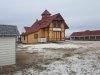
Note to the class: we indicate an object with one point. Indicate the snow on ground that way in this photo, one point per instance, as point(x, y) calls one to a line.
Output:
point(42, 47)
point(78, 64)
point(86, 62)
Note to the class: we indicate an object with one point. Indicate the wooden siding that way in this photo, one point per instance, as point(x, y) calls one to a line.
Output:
point(62, 32)
point(42, 33)
point(7, 51)
point(46, 33)
point(31, 38)
point(51, 32)
point(24, 39)
point(56, 35)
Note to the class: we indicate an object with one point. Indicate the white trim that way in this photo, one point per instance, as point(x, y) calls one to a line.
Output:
point(41, 40)
point(56, 29)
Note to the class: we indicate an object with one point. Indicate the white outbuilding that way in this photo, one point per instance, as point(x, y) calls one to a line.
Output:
point(8, 36)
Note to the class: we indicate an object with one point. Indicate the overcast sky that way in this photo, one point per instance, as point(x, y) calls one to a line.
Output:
point(80, 15)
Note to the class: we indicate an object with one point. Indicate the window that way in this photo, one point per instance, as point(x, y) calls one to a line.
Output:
point(57, 24)
point(35, 36)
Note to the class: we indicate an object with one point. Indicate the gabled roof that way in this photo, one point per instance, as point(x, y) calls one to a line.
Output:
point(44, 22)
point(86, 33)
point(46, 12)
point(8, 30)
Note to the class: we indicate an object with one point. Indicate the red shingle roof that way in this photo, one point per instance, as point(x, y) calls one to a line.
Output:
point(26, 28)
point(44, 22)
point(86, 33)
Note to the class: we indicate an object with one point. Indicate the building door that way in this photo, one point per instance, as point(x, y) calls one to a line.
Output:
point(56, 35)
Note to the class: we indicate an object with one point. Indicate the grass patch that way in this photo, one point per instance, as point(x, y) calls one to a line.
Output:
point(80, 57)
point(68, 54)
point(58, 58)
point(78, 53)
point(72, 73)
point(39, 67)
point(99, 57)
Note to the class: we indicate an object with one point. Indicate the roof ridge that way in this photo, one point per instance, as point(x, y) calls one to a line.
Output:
point(46, 12)
point(7, 25)
point(83, 33)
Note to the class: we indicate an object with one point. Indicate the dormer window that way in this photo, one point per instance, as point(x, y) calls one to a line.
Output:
point(57, 24)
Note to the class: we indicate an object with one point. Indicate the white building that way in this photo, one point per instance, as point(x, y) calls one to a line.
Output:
point(8, 34)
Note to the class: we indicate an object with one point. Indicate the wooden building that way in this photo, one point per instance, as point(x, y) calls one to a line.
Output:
point(8, 36)
point(86, 35)
point(49, 29)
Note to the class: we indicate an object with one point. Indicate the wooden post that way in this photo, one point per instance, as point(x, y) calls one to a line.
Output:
point(84, 37)
point(74, 38)
point(89, 37)
point(70, 38)
point(79, 37)
point(95, 38)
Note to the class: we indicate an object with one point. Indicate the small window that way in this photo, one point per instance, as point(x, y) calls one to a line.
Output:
point(35, 36)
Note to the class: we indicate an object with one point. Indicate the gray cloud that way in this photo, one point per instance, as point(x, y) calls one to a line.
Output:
point(79, 14)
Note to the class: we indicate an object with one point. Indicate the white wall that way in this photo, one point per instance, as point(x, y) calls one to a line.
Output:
point(7, 51)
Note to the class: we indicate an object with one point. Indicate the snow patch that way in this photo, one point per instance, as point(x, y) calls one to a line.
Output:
point(41, 47)
point(88, 64)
